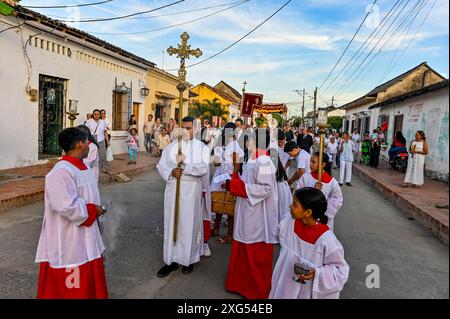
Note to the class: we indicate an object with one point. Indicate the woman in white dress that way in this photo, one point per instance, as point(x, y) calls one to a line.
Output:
point(416, 161)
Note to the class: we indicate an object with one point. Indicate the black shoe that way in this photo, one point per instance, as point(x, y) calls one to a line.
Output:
point(187, 270)
point(348, 184)
point(340, 184)
point(167, 269)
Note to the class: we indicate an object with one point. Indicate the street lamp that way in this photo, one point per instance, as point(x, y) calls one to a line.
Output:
point(73, 104)
point(145, 91)
point(322, 123)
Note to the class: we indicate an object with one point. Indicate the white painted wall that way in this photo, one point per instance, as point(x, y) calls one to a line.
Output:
point(90, 84)
point(431, 116)
point(349, 115)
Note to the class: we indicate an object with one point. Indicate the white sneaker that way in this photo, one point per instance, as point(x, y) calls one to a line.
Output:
point(207, 251)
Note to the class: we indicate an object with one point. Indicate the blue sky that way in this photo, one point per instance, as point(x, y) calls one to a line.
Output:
point(294, 50)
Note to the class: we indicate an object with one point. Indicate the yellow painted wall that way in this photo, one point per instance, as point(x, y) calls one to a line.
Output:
point(205, 93)
point(161, 81)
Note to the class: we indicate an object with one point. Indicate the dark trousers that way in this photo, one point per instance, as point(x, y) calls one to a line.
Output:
point(375, 156)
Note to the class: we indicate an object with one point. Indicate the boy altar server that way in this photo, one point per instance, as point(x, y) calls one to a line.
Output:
point(70, 245)
point(255, 222)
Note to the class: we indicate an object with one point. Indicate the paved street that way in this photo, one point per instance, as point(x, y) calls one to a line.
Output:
point(413, 263)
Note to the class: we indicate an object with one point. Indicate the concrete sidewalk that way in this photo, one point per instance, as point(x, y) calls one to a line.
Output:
point(427, 204)
point(21, 186)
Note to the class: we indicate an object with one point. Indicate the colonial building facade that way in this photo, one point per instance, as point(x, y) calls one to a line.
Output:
point(48, 66)
point(357, 113)
point(163, 100)
point(223, 92)
point(425, 109)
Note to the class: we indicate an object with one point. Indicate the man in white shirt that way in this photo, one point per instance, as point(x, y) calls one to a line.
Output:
point(148, 131)
point(98, 128)
point(346, 158)
point(332, 149)
point(302, 158)
point(356, 138)
point(213, 135)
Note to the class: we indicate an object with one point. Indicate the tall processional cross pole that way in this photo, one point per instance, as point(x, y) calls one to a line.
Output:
point(183, 52)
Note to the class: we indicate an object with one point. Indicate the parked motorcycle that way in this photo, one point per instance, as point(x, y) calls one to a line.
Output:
point(399, 162)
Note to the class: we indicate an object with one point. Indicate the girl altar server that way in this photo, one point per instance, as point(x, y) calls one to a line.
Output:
point(311, 264)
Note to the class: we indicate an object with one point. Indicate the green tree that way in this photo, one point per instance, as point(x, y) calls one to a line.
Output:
point(200, 111)
point(295, 121)
point(335, 122)
point(279, 119)
point(207, 109)
point(259, 121)
point(215, 108)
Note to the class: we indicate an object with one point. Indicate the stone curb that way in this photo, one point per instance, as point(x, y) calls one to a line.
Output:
point(435, 226)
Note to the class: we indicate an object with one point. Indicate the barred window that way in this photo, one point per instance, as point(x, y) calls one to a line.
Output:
point(121, 111)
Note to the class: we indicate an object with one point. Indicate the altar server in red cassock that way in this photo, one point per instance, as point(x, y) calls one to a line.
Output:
point(255, 222)
point(70, 245)
point(307, 243)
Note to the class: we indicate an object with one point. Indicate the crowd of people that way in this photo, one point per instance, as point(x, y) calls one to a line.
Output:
point(254, 165)
point(281, 198)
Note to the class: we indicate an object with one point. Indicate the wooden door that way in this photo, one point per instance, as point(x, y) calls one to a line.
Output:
point(398, 125)
point(136, 107)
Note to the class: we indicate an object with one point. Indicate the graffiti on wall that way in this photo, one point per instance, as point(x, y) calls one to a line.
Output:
point(414, 113)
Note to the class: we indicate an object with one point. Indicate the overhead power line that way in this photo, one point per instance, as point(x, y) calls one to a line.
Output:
point(166, 14)
point(379, 27)
point(239, 40)
point(125, 16)
point(68, 6)
point(348, 45)
point(411, 41)
point(355, 82)
point(173, 25)
point(348, 81)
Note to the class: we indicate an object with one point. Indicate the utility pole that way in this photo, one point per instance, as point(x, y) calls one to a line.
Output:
point(332, 101)
point(242, 100)
point(315, 108)
point(302, 93)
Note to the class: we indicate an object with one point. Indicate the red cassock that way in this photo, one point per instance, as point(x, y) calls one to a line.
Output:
point(250, 266)
point(206, 230)
point(57, 283)
point(87, 281)
point(250, 269)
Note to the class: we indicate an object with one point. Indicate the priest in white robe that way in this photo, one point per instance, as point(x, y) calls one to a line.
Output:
point(194, 164)
point(70, 245)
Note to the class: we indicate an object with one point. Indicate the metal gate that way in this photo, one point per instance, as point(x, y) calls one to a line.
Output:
point(52, 96)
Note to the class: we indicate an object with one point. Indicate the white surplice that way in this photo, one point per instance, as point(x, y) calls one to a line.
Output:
point(326, 256)
point(64, 242)
point(284, 200)
point(332, 192)
point(187, 249)
point(256, 217)
point(93, 159)
point(206, 200)
point(225, 154)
